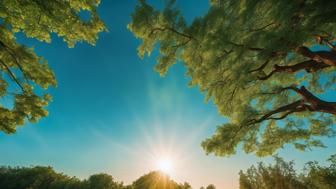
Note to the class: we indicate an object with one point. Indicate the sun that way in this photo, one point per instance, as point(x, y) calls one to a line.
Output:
point(165, 165)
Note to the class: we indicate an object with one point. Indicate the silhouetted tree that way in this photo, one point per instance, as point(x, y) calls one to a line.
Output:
point(211, 186)
point(185, 186)
point(155, 180)
point(158, 180)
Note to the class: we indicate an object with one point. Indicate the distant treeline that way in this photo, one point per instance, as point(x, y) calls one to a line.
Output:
point(39, 177)
point(280, 175)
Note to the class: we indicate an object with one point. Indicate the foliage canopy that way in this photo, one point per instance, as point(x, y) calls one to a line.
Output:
point(158, 180)
point(277, 176)
point(45, 177)
point(23, 74)
point(283, 175)
point(263, 63)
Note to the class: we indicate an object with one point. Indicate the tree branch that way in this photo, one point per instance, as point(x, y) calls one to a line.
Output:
point(273, 55)
point(291, 108)
point(261, 67)
point(11, 53)
point(323, 39)
point(12, 75)
point(308, 102)
point(247, 47)
point(262, 28)
point(326, 57)
point(172, 30)
point(310, 66)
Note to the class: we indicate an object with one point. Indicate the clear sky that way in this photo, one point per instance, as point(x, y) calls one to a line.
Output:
point(112, 113)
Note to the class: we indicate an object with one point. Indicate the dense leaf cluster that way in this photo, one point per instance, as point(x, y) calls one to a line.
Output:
point(261, 62)
point(46, 178)
point(283, 175)
point(25, 76)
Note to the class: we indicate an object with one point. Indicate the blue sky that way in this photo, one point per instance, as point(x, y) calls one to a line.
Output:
point(112, 113)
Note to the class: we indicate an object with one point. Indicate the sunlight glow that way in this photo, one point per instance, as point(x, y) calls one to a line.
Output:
point(165, 165)
point(164, 138)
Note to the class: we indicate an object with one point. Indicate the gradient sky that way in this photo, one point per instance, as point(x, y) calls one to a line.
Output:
point(112, 113)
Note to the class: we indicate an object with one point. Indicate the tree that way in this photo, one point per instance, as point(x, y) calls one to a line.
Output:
point(23, 73)
point(278, 176)
point(283, 175)
point(185, 185)
point(262, 63)
point(35, 177)
point(320, 177)
point(211, 186)
point(103, 181)
point(157, 180)
point(45, 177)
